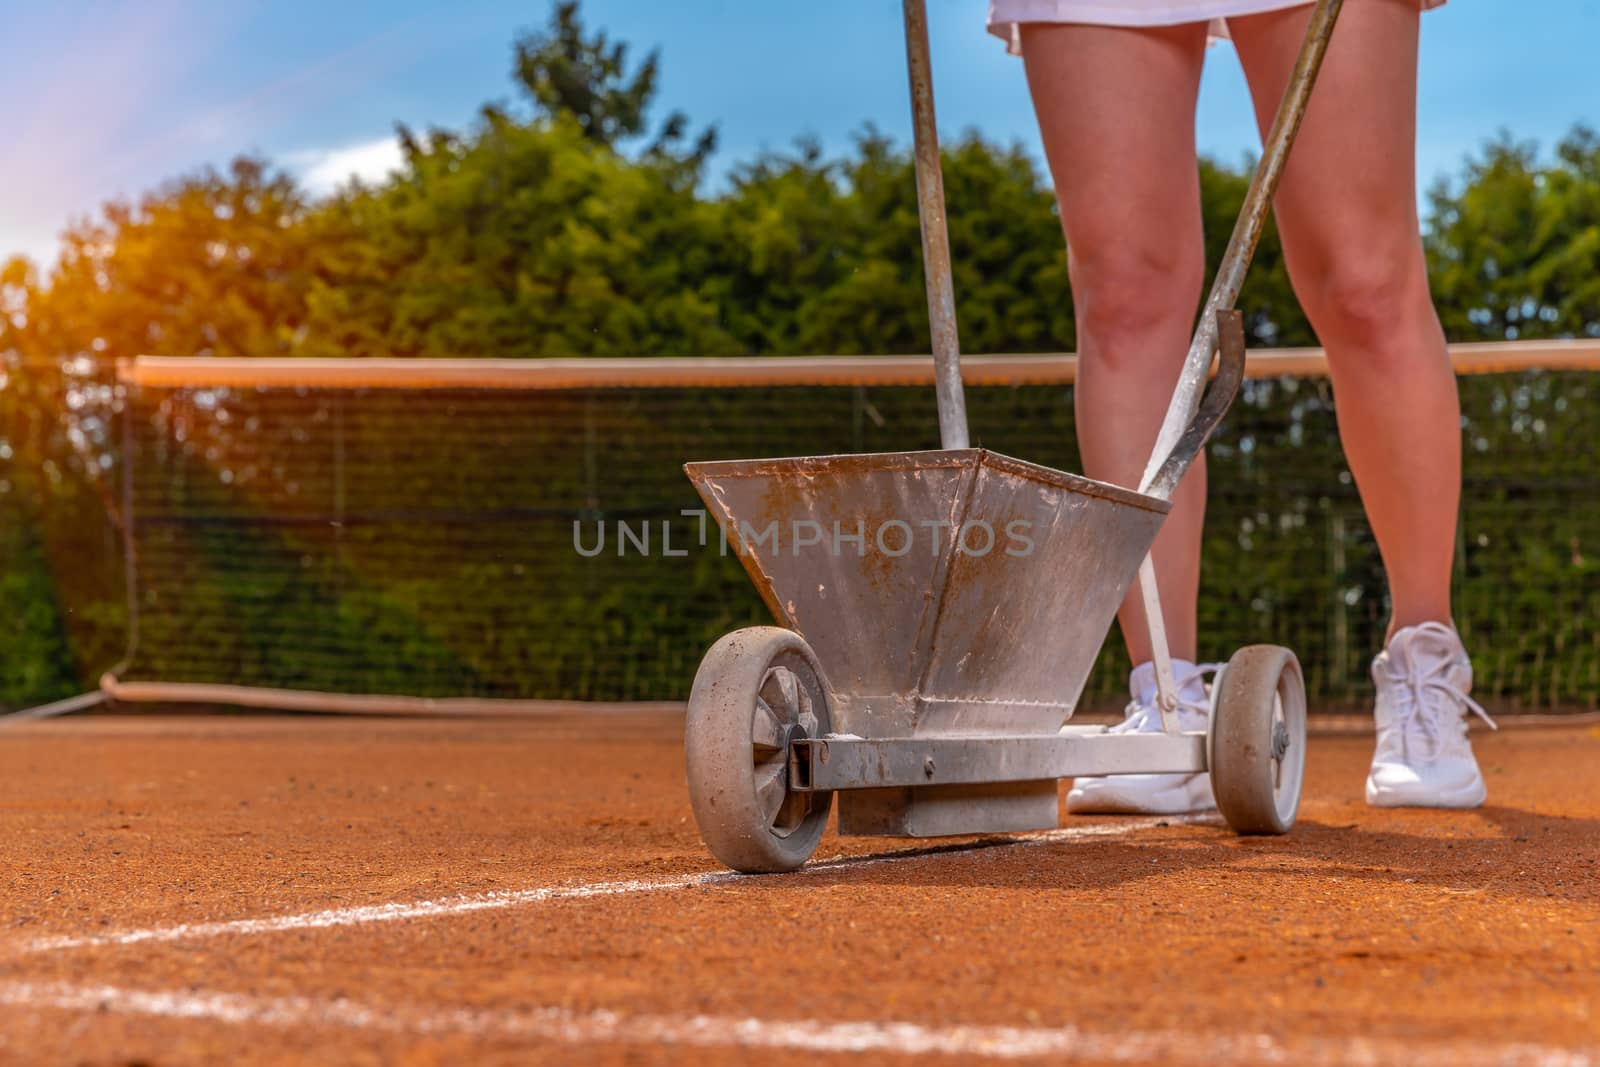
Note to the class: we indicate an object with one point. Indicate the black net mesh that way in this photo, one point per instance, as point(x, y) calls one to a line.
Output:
point(423, 541)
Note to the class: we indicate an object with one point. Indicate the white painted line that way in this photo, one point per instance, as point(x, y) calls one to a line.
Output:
point(560, 1026)
point(516, 898)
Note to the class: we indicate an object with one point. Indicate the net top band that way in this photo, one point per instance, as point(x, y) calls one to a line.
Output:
point(179, 372)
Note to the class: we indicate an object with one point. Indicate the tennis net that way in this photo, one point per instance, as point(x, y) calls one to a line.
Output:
point(480, 530)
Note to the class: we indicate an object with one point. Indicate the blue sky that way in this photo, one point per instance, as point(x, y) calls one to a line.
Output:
point(106, 99)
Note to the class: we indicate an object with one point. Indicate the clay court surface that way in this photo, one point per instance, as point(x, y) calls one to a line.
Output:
point(254, 889)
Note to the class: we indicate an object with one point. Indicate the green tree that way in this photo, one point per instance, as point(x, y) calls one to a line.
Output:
point(824, 256)
point(517, 239)
point(212, 264)
point(566, 72)
point(1514, 249)
point(36, 663)
point(53, 548)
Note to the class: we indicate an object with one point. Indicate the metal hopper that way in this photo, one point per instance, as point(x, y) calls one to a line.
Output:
point(956, 591)
point(955, 595)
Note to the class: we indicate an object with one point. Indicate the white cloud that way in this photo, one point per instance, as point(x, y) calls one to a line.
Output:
point(31, 220)
point(323, 170)
point(36, 242)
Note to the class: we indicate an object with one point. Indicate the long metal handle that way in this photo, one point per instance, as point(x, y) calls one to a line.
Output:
point(935, 234)
point(1242, 245)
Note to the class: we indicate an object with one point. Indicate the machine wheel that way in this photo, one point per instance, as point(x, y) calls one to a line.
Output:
point(1256, 744)
point(757, 690)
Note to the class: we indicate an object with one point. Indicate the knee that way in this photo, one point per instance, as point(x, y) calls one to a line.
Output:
point(1124, 297)
point(1376, 305)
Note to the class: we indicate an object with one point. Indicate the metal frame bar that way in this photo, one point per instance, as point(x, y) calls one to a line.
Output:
point(839, 763)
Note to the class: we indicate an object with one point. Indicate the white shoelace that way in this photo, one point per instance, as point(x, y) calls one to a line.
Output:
point(1416, 716)
point(1146, 717)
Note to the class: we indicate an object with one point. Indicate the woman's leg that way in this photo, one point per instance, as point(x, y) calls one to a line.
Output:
point(1347, 210)
point(1116, 110)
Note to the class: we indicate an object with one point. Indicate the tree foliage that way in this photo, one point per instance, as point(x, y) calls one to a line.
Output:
point(522, 239)
point(1514, 244)
point(566, 72)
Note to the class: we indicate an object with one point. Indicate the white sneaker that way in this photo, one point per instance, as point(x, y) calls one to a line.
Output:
point(1153, 794)
point(1424, 759)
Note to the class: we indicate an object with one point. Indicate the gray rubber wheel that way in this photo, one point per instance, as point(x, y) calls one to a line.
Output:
point(1256, 743)
point(756, 690)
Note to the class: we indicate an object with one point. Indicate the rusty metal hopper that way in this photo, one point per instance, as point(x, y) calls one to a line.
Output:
point(955, 591)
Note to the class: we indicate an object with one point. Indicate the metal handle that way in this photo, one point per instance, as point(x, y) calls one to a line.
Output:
point(935, 234)
point(1246, 234)
point(1230, 373)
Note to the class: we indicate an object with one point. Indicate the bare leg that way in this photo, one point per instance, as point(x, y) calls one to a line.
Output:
point(1116, 111)
point(1347, 210)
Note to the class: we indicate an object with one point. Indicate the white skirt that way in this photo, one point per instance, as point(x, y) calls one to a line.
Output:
point(1006, 16)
